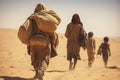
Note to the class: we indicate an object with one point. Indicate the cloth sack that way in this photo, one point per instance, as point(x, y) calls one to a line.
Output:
point(25, 32)
point(83, 38)
point(47, 20)
point(40, 40)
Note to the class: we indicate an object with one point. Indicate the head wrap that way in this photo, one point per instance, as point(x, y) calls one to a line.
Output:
point(39, 7)
point(76, 19)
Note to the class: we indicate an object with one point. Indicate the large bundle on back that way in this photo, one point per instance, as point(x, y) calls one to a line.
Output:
point(47, 20)
point(25, 32)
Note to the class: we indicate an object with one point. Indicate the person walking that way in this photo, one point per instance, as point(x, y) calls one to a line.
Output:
point(91, 46)
point(104, 49)
point(73, 43)
point(40, 37)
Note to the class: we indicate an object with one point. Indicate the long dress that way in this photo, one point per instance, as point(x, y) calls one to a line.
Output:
point(105, 51)
point(72, 35)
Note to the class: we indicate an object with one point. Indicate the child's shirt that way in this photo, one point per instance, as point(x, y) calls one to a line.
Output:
point(104, 47)
point(91, 43)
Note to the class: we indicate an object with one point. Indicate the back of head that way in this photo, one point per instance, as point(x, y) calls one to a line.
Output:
point(106, 39)
point(39, 7)
point(90, 34)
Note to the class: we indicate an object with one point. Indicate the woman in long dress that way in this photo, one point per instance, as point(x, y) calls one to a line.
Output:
point(73, 44)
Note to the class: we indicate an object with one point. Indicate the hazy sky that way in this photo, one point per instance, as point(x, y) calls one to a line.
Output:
point(100, 16)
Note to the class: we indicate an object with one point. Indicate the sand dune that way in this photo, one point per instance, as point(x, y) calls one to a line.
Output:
point(15, 62)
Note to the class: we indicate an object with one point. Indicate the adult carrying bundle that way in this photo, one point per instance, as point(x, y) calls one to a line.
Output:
point(46, 21)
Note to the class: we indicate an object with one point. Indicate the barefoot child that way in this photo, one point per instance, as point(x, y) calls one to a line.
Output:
point(105, 50)
point(90, 48)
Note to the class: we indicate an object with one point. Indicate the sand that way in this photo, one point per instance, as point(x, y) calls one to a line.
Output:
point(15, 63)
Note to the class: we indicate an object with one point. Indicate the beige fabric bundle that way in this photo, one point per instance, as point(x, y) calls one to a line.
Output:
point(25, 32)
point(47, 20)
point(40, 40)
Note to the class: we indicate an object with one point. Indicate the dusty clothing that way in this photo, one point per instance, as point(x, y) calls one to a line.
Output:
point(40, 37)
point(90, 55)
point(73, 52)
point(91, 43)
point(83, 38)
point(40, 56)
point(90, 48)
point(105, 51)
point(72, 35)
point(54, 44)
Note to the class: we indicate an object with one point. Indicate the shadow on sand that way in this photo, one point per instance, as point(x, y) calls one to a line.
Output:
point(113, 67)
point(20, 78)
point(56, 71)
point(13, 78)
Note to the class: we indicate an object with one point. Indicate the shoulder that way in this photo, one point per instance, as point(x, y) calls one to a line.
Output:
point(102, 44)
point(108, 44)
point(69, 24)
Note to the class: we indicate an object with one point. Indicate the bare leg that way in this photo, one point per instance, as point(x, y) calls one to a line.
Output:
point(90, 62)
point(70, 65)
point(28, 49)
point(36, 75)
point(40, 75)
point(105, 64)
point(75, 62)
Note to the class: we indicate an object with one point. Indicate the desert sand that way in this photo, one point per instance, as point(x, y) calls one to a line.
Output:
point(15, 63)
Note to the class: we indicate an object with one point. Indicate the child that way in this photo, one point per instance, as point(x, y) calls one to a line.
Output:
point(91, 45)
point(104, 48)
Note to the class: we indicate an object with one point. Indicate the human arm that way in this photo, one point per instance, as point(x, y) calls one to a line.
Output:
point(99, 51)
point(109, 50)
point(67, 32)
point(94, 44)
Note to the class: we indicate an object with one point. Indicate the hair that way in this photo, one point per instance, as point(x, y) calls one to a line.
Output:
point(90, 34)
point(76, 19)
point(106, 39)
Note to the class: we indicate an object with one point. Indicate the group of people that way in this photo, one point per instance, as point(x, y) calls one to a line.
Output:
point(76, 38)
point(73, 34)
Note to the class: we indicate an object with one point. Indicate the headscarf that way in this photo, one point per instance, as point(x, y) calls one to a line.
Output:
point(76, 19)
point(39, 7)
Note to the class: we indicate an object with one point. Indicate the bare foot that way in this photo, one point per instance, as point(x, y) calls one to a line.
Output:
point(70, 66)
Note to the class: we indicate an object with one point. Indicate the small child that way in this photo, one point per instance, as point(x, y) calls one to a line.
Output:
point(91, 46)
point(104, 48)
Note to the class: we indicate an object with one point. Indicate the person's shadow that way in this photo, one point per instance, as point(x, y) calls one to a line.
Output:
point(113, 67)
point(14, 78)
point(20, 78)
point(60, 71)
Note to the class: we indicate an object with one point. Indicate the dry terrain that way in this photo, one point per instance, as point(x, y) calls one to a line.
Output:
point(15, 62)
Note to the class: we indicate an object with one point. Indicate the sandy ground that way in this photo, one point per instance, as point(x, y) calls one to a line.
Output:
point(15, 62)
